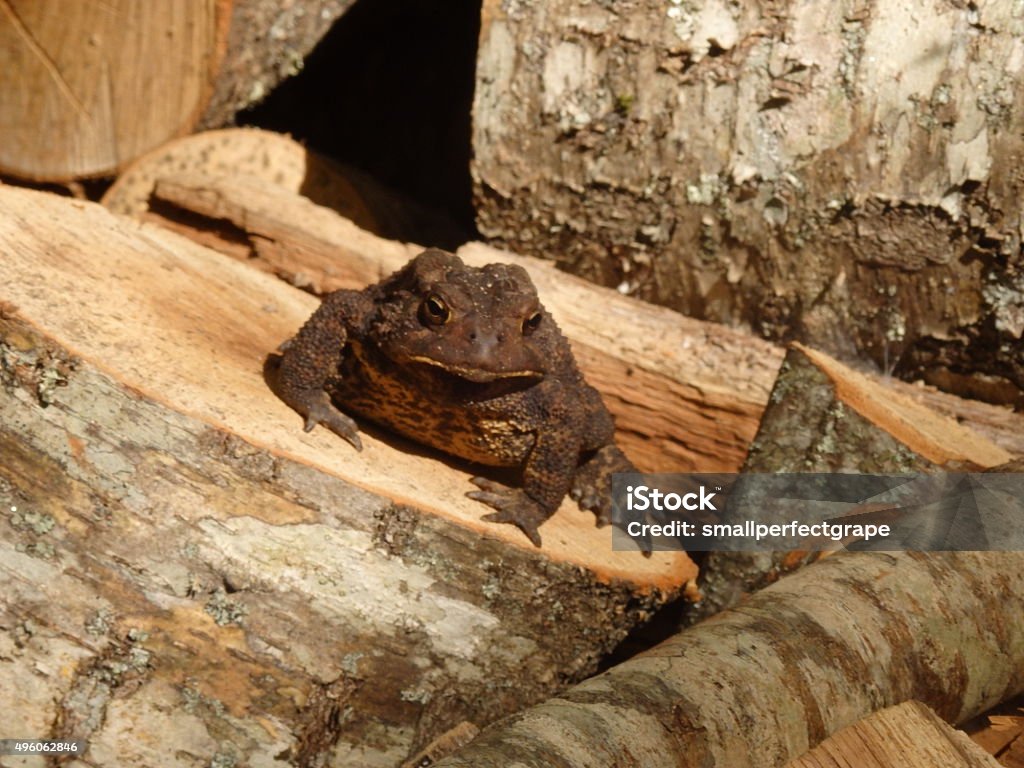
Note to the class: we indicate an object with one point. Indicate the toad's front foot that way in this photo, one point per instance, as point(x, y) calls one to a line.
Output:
point(320, 410)
point(513, 506)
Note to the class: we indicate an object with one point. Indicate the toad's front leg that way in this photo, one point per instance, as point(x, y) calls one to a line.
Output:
point(547, 474)
point(312, 359)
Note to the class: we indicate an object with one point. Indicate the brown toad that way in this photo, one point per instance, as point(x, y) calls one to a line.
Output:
point(467, 361)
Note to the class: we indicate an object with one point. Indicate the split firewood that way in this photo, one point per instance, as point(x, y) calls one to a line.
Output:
point(825, 417)
point(187, 573)
point(272, 158)
point(1014, 756)
point(814, 652)
point(1000, 732)
point(275, 159)
point(908, 735)
point(685, 394)
point(886, 431)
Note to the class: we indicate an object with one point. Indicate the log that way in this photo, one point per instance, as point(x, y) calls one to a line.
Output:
point(825, 417)
point(687, 395)
point(85, 88)
point(267, 42)
point(841, 174)
point(192, 579)
point(273, 158)
point(856, 425)
point(761, 683)
point(909, 735)
point(801, 660)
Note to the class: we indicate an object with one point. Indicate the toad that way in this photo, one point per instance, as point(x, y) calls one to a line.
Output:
point(468, 361)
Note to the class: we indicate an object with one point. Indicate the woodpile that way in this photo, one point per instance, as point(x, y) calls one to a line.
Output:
point(860, 426)
point(191, 579)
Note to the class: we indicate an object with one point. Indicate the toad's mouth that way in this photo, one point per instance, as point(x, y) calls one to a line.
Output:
point(477, 375)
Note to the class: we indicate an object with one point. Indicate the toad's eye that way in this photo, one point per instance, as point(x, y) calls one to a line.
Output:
point(435, 311)
point(532, 323)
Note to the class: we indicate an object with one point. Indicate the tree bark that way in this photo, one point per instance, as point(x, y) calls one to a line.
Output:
point(190, 578)
point(802, 659)
point(841, 172)
point(267, 42)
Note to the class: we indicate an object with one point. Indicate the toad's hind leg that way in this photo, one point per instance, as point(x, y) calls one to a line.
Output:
point(600, 459)
point(592, 483)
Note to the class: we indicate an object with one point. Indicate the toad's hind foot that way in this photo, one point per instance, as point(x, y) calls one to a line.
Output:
point(592, 483)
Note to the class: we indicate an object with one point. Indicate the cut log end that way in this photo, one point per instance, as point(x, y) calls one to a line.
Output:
point(909, 735)
point(132, 76)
